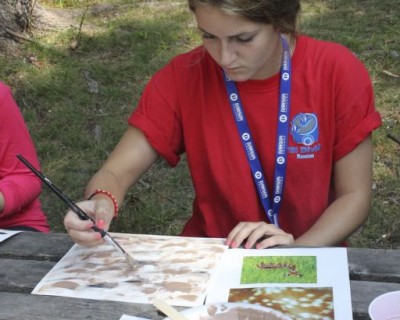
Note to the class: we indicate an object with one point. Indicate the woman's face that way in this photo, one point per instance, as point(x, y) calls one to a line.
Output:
point(244, 49)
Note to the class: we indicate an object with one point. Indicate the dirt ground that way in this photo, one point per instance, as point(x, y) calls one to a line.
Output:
point(48, 20)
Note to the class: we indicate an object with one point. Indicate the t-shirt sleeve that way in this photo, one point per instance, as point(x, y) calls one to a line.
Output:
point(157, 115)
point(18, 184)
point(356, 116)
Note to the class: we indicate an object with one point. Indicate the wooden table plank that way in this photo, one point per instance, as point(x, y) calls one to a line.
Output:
point(36, 246)
point(374, 264)
point(22, 275)
point(17, 306)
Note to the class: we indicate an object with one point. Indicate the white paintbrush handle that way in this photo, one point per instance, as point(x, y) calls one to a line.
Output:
point(171, 312)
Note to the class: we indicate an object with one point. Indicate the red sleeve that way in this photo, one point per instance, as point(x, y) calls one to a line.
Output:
point(356, 116)
point(157, 117)
point(17, 183)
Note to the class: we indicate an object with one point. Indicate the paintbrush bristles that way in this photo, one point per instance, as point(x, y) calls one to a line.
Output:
point(132, 262)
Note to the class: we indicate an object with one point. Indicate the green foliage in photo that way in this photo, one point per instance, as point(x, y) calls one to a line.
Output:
point(279, 269)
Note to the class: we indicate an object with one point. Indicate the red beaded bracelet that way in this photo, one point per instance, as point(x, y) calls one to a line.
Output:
point(108, 194)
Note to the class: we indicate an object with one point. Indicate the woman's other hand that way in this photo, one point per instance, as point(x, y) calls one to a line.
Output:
point(259, 235)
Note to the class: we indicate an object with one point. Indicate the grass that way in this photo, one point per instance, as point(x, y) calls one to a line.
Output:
point(76, 101)
point(277, 269)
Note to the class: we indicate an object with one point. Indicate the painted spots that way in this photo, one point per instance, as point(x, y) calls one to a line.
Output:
point(174, 269)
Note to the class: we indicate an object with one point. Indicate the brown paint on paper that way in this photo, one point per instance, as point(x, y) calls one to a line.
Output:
point(175, 269)
point(66, 285)
point(188, 297)
point(177, 286)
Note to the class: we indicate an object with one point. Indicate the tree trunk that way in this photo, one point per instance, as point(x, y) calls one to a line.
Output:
point(15, 16)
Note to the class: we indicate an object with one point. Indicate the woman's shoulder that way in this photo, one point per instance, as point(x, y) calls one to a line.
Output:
point(330, 56)
point(328, 49)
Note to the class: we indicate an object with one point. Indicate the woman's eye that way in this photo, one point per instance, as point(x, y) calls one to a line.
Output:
point(207, 36)
point(244, 39)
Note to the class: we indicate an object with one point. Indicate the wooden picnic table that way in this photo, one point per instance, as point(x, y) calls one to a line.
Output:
point(27, 257)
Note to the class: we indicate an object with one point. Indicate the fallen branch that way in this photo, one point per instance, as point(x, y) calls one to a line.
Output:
point(19, 36)
point(391, 74)
point(76, 42)
point(31, 15)
point(393, 138)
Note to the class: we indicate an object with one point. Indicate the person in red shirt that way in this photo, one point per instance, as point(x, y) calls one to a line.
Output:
point(20, 208)
point(276, 127)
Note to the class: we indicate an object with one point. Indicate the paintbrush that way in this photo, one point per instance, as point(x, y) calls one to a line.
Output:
point(81, 214)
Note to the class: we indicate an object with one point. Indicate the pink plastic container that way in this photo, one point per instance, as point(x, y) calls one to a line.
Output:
point(385, 307)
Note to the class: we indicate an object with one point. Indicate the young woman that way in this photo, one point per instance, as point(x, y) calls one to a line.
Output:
point(20, 208)
point(276, 127)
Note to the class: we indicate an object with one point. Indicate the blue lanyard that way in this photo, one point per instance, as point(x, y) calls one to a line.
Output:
point(271, 209)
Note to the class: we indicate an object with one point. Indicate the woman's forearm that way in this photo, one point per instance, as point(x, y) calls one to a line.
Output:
point(342, 218)
point(130, 159)
point(352, 187)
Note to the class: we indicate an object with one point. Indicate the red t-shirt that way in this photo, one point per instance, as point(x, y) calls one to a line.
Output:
point(20, 187)
point(185, 108)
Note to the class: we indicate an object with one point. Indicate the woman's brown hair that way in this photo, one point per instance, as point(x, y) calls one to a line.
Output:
point(282, 14)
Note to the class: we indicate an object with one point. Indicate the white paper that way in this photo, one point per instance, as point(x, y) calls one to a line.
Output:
point(329, 295)
point(174, 269)
point(5, 234)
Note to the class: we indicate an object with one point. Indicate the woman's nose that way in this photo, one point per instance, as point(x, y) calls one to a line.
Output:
point(227, 54)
